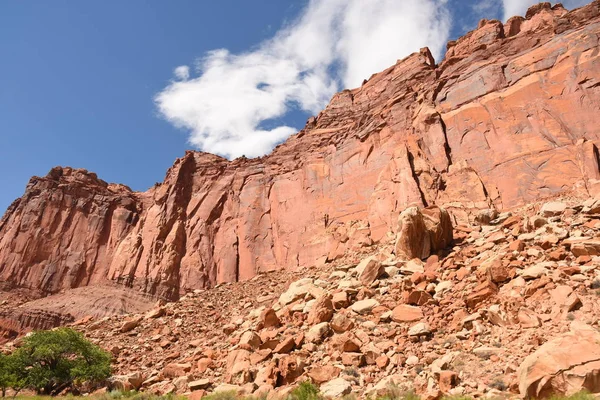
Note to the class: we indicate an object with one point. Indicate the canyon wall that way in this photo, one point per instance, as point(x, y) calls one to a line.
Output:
point(509, 116)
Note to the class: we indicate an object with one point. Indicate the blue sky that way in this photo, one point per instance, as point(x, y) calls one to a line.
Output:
point(122, 88)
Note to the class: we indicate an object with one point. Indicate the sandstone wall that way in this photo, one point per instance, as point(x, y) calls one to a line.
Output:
point(509, 116)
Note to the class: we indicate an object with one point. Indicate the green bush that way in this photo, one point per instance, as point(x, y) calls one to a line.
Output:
point(6, 375)
point(305, 391)
point(12, 373)
point(52, 361)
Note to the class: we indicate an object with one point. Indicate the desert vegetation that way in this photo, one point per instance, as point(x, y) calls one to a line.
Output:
point(52, 362)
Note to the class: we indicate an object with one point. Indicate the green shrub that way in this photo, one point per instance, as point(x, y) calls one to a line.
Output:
point(6, 374)
point(52, 361)
point(305, 391)
point(12, 373)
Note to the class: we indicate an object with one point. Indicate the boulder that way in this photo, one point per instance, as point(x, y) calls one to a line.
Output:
point(364, 306)
point(290, 368)
point(155, 313)
point(130, 324)
point(204, 364)
point(225, 387)
point(369, 269)
point(324, 373)
point(286, 345)
point(199, 384)
point(447, 380)
point(406, 313)
point(420, 329)
point(345, 343)
point(341, 323)
point(132, 381)
point(249, 340)
point(340, 300)
point(534, 272)
point(564, 365)
point(413, 239)
point(336, 388)
point(586, 248)
point(422, 232)
point(353, 359)
point(485, 217)
point(299, 290)
point(321, 311)
point(318, 332)
point(270, 319)
point(175, 370)
point(552, 209)
point(480, 293)
point(418, 298)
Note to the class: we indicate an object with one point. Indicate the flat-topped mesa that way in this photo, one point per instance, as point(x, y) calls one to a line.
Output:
point(508, 117)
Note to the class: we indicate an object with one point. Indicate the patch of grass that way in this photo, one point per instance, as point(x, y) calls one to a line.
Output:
point(223, 396)
point(305, 391)
point(577, 396)
point(133, 395)
point(595, 284)
point(114, 395)
point(394, 392)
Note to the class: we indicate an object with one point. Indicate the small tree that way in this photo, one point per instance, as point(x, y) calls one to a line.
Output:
point(6, 378)
point(12, 374)
point(51, 361)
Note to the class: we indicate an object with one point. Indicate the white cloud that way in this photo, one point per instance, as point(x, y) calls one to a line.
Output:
point(519, 7)
point(228, 102)
point(182, 72)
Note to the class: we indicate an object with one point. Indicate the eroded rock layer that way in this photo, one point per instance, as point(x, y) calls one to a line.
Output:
point(509, 116)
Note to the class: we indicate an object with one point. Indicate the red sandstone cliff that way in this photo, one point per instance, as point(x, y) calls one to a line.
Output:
point(509, 116)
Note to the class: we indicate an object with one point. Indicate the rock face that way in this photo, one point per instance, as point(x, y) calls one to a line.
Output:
point(510, 115)
point(565, 365)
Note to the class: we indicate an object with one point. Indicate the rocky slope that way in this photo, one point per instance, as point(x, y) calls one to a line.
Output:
point(19, 314)
point(511, 308)
point(509, 116)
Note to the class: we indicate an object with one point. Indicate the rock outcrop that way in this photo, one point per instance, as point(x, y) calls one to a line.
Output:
point(509, 116)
